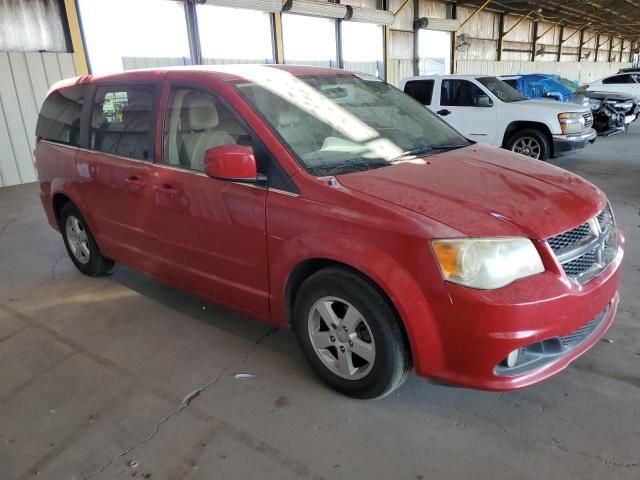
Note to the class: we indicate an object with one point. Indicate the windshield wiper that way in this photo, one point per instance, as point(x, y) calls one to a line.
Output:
point(353, 165)
point(426, 149)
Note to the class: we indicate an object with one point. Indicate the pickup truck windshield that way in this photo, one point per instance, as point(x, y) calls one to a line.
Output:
point(344, 123)
point(501, 90)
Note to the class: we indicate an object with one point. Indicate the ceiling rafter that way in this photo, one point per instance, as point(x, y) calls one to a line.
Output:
point(619, 18)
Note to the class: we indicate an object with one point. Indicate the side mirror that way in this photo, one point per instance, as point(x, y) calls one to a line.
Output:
point(483, 101)
point(232, 162)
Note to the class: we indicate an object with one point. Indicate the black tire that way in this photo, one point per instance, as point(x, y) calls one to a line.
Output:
point(536, 137)
point(94, 264)
point(392, 361)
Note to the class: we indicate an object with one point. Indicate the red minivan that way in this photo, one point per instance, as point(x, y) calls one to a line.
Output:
point(335, 203)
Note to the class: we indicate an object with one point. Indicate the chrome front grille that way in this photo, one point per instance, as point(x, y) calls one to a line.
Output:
point(585, 251)
point(564, 240)
point(588, 120)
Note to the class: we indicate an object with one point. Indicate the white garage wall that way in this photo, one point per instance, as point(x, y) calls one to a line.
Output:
point(25, 79)
point(584, 72)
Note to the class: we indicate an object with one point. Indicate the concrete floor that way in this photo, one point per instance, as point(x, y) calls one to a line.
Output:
point(93, 373)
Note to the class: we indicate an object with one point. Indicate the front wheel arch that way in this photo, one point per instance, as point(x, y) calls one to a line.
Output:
point(389, 356)
point(515, 127)
point(307, 268)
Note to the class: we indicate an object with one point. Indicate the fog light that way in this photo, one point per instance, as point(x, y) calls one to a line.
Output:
point(512, 358)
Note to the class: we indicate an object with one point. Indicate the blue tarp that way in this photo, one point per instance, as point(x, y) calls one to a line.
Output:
point(540, 86)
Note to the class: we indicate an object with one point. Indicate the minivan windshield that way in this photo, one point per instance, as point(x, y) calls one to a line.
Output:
point(343, 123)
point(501, 90)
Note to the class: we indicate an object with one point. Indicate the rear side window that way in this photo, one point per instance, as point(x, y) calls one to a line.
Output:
point(421, 90)
point(59, 119)
point(618, 79)
point(122, 121)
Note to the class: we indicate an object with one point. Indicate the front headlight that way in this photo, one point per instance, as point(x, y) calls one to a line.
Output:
point(594, 103)
point(571, 123)
point(486, 263)
point(624, 106)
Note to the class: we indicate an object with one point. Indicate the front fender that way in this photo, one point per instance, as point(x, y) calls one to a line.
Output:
point(372, 261)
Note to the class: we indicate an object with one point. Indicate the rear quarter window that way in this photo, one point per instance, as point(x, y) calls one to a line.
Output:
point(59, 118)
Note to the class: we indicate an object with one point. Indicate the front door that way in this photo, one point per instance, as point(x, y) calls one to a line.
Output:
point(212, 232)
point(468, 109)
point(115, 174)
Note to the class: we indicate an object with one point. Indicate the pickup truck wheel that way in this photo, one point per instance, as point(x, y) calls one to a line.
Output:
point(531, 143)
point(350, 335)
point(80, 244)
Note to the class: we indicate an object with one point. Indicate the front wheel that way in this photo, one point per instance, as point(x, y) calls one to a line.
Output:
point(530, 142)
point(350, 335)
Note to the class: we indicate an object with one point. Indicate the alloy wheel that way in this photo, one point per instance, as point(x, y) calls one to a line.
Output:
point(78, 240)
point(342, 338)
point(527, 146)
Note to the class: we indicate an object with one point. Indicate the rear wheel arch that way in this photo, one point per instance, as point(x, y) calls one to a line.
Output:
point(58, 202)
point(63, 194)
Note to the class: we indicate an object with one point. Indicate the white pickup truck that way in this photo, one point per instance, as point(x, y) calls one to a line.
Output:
point(487, 110)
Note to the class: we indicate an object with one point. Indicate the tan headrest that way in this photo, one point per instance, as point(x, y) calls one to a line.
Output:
point(199, 112)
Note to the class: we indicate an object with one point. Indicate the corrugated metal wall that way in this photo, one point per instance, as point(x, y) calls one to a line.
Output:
point(25, 79)
point(584, 72)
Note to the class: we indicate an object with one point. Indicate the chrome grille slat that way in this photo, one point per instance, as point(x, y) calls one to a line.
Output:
point(560, 242)
point(585, 251)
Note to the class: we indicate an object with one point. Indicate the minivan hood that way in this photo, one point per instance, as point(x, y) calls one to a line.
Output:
point(485, 191)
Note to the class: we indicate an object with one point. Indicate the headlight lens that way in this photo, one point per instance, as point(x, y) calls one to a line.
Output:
point(594, 103)
point(571, 123)
point(487, 263)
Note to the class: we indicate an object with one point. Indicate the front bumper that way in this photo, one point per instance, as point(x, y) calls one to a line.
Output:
point(478, 329)
point(563, 144)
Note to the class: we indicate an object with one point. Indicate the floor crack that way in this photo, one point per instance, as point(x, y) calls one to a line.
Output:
point(5, 225)
point(186, 401)
point(556, 444)
point(55, 265)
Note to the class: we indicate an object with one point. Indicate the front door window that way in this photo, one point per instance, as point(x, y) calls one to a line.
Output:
point(197, 121)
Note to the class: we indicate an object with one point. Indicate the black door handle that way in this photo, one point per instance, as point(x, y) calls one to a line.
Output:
point(444, 113)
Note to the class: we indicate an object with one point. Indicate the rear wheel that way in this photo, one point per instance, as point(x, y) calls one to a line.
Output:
point(350, 335)
point(530, 142)
point(81, 246)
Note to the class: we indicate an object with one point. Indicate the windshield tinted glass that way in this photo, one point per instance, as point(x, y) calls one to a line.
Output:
point(501, 90)
point(345, 122)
